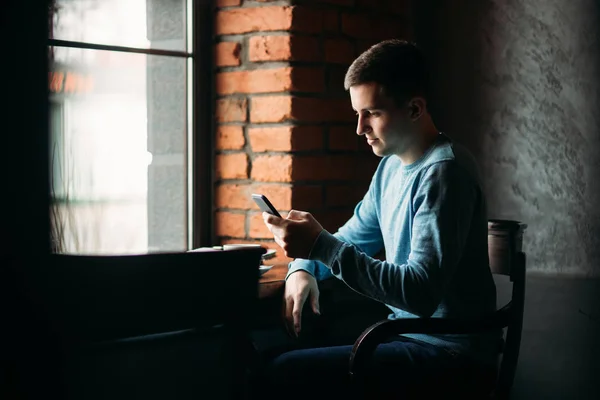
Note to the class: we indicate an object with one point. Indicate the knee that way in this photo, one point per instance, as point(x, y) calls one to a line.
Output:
point(274, 378)
point(301, 376)
point(288, 366)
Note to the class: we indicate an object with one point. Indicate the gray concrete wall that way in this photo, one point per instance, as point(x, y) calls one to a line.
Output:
point(167, 136)
point(518, 82)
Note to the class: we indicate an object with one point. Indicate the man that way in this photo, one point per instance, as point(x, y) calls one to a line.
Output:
point(425, 208)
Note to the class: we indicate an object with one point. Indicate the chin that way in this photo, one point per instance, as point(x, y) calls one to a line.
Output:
point(380, 151)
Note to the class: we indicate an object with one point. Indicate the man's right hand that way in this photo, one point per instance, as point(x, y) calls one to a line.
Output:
point(299, 286)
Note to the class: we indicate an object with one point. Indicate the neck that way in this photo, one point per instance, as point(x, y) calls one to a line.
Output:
point(421, 141)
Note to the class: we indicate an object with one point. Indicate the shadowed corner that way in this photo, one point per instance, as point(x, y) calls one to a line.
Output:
point(594, 314)
point(451, 39)
point(595, 168)
point(562, 310)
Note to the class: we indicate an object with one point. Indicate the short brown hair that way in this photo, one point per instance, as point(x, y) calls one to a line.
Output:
point(397, 65)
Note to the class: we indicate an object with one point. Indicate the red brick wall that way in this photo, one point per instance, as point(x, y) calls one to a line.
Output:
point(285, 124)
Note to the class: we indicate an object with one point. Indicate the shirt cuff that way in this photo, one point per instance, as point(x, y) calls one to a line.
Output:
point(326, 248)
point(301, 265)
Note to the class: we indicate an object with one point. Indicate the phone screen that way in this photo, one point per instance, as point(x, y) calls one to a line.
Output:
point(265, 205)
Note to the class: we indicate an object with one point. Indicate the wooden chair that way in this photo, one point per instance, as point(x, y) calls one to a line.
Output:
point(506, 258)
point(152, 326)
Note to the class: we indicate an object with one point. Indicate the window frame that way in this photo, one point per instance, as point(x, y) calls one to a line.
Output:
point(199, 160)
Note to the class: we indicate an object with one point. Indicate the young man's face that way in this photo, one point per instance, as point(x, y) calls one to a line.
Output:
point(386, 126)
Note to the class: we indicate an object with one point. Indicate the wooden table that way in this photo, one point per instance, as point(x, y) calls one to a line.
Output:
point(271, 284)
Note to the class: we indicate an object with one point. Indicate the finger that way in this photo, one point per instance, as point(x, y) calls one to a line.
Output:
point(296, 215)
point(271, 219)
point(314, 302)
point(286, 311)
point(289, 319)
point(269, 227)
point(280, 242)
point(297, 316)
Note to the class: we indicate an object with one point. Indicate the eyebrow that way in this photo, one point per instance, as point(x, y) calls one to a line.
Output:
point(373, 107)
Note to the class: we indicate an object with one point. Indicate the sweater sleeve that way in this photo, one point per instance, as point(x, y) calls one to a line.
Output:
point(443, 204)
point(361, 231)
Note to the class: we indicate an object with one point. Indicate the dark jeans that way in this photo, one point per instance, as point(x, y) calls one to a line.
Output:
point(316, 367)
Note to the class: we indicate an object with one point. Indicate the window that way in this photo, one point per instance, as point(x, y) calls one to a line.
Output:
point(123, 141)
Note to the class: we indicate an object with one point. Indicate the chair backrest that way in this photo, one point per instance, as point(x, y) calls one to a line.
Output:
point(505, 241)
point(152, 326)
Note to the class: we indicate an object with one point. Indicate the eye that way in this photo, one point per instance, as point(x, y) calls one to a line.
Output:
point(375, 113)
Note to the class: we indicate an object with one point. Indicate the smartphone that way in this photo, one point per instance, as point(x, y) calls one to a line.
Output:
point(265, 205)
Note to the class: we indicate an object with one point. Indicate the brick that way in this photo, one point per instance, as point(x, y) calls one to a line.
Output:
point(307, 197)
point(269, 18)
point(399, 7)
point(364, 26)
point(308, 109)
point(231, 166)
point(230, 137)
point(354, 25)
point(332, 220)
point(238, 196)
point(285, 138)
point(305, 109)
point(285, 197)
point(322, 110)
point(270, 109)
point(307, 20)
point(334, 167)
point(254, 19)
point(280, 195)
point(343, 138)
point(269, 48)
point(331, 21)
point(364, 45)
point(233, 196)
point(395, 7)
point(372, 4)
point(344, 195)
point(324, 167)
point(305, 48)
point(283, 48)
point(257, 81)
point(270, 139)
point(272, 168)
point(339, 51)
point(338, 2)
point(308, 79)
point(301, 79)
point(363, 146)
point(257, 228)
point(231, 109)
point(228, 3)
point(335, 79)
point(366, 164)
point(227, 54)
point(230, 224)
point(307, 138)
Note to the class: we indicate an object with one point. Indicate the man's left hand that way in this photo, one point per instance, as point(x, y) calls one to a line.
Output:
point(295, 234)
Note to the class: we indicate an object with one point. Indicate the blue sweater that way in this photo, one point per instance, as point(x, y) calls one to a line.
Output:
point(430, 217)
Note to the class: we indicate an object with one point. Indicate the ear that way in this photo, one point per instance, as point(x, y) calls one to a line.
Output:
point(417, 106)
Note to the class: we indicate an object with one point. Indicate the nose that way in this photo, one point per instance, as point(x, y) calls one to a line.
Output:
point(362, 126)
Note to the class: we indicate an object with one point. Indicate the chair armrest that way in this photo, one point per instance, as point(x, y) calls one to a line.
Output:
point(374, 335)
